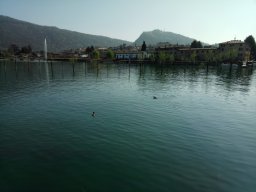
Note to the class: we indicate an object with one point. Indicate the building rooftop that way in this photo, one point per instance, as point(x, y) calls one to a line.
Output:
point(232, 42)
point(194, 49)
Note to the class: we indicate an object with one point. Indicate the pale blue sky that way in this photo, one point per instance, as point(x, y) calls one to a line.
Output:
point(210, 21)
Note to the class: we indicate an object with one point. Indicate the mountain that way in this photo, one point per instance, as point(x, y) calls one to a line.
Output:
point(21, 33)
point(157, 36)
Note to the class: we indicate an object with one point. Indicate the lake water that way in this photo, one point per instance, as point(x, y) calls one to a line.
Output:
point(198, 135)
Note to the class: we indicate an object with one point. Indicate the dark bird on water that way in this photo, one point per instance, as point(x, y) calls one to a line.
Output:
point(93, 114)
point(154, 97)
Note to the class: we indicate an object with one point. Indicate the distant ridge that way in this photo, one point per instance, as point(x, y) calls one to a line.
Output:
point(21, 33)
point(156, 36)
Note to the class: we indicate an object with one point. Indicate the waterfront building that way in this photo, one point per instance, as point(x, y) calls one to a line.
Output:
point(135, 55)
point(230, 51)
point(200, 54)
point(234, 51)
point(185, 52)
point(237, 49)
point(126, 56)
point(169, 48)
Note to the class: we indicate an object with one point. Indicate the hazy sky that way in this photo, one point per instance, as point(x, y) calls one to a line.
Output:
point(210, 21)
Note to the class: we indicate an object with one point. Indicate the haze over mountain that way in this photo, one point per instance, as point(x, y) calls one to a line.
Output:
point(21, 33)
point(156, 36)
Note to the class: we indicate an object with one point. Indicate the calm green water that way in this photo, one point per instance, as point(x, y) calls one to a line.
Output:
point(198, 135)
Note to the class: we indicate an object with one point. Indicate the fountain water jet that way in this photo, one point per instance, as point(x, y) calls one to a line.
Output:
point(45, 50)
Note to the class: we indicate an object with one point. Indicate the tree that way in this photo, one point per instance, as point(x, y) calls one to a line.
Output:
point(153, 58)
point(92, 48)
point(219, 57)
point(95, 54)
point(160, 57)
point(110, 54)
point(14, 49)
point(168, 57)
point(89, 50)
point(123, 46)
point(144, 46)
point(208, 56)
point(233, 54)
point(193, 57)
point(196, 44)
point(172, 58)
point(163, 57)
point(26, 49)
point(250, 41)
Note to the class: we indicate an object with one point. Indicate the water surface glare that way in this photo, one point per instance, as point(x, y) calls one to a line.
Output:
point(199, 134)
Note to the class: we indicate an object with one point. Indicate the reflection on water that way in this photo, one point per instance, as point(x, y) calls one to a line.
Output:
point(64, 70)
point(147, 77)
point(46, 71)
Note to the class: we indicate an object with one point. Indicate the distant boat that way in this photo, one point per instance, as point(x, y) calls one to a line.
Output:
point(251, 62)
point(244, 64)
point(248, 63)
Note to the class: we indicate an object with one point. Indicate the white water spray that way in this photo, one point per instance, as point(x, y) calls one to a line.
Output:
point(45, 50)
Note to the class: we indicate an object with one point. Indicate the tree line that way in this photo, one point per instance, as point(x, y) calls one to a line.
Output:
point(14, 49)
